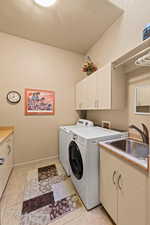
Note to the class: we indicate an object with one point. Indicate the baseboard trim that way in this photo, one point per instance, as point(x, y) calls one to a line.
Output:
point(36, 161)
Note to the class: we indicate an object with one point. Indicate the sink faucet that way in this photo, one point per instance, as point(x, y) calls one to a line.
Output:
point(144, 133)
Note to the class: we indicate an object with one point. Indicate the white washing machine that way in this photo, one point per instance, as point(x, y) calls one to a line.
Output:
point(84, 162)
point(64, 140)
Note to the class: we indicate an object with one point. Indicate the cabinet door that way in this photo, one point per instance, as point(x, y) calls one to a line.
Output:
point(103, 87)
point(77, 90)
point(81, 95)
point(3, 167)
point(108, 183)
point(91, 92)
point(132, 196)
point(6, 153)
point(9, 153)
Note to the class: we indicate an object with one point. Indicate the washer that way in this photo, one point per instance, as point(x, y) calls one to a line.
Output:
point(84, 162)
point(64, 140)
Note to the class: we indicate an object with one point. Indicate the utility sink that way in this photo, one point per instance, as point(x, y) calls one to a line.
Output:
point(131, 147)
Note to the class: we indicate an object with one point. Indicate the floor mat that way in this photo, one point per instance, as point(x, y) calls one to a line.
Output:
point(48, 196)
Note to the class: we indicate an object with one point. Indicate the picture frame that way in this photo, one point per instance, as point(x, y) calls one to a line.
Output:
point(39, 102)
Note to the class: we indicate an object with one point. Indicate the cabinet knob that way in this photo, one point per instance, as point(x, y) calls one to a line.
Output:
point(119, 184)
point(9, 149)
point(114, 175)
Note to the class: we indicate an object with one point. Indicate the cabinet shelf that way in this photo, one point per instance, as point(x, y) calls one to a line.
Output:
point(127, 61)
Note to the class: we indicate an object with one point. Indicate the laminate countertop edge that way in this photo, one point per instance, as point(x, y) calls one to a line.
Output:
point(5, 132)
point(124, 156)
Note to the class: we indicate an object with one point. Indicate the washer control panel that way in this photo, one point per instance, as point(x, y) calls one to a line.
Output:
point(86, 123)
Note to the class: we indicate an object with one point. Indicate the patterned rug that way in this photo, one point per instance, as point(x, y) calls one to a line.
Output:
point(48, 196)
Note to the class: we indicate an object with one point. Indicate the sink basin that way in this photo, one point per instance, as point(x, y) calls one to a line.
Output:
point(136, 149)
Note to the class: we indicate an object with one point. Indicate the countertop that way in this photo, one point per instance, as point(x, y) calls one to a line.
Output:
point(5, 132)
point(143, 164)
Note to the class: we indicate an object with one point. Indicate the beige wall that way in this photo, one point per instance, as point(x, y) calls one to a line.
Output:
point(122, 36)
point(26, 64)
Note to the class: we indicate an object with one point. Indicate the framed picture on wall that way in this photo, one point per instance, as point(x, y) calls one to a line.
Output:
point(39, 102)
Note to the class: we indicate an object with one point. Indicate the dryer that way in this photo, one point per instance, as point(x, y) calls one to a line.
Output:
point(64, 140)
point(84, 162)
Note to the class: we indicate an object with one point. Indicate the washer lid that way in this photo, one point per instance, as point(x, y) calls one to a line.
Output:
point(81, 123)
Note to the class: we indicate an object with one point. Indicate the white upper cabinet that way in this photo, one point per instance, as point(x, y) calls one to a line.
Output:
point(103, 90)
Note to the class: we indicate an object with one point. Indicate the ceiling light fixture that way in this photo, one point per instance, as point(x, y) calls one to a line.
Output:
point(45, 3)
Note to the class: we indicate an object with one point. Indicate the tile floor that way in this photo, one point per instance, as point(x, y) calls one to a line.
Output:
point(11, 203)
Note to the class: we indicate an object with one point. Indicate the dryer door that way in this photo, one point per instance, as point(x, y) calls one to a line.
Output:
point(75, 160)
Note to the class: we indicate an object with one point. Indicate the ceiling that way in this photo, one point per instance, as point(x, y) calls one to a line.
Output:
point(69, 24)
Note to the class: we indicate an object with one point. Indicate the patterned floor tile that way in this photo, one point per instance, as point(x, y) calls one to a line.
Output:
point(38, 202)
point(63, 189)
point(47, 172)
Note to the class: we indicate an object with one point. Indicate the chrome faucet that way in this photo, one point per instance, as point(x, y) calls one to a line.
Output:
point(144, 134)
